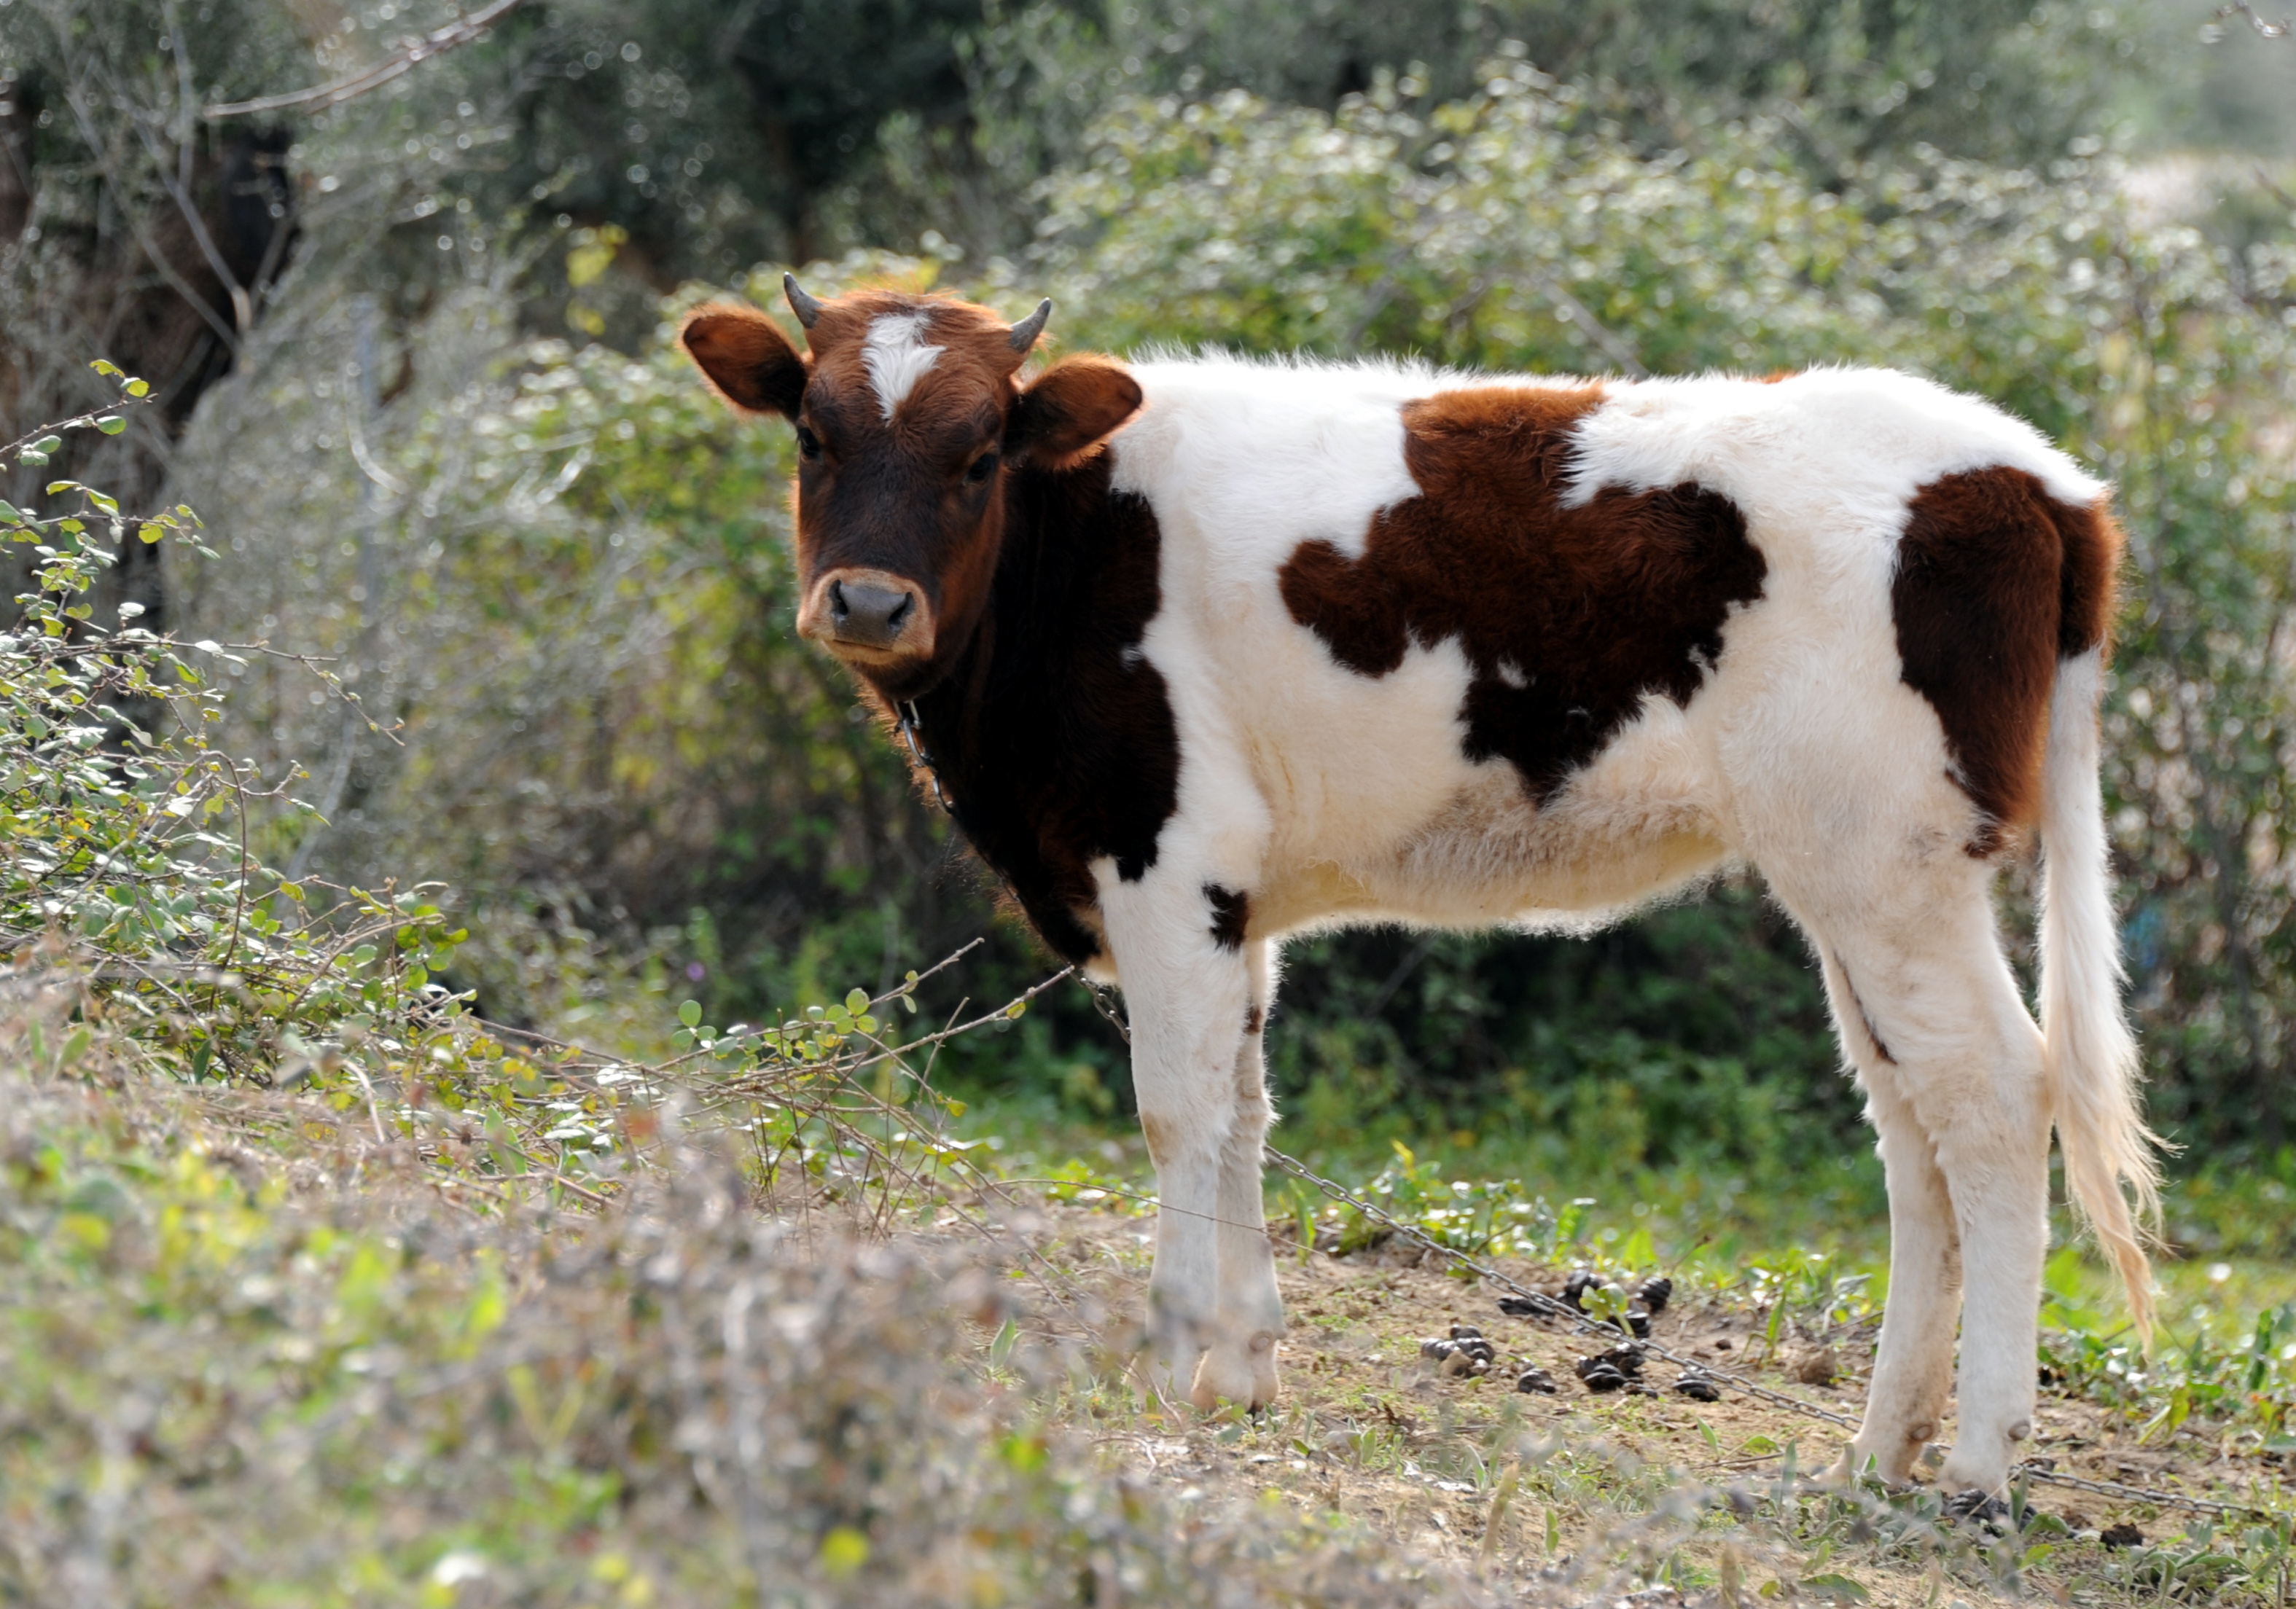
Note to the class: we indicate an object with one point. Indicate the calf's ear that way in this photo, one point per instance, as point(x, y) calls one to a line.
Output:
point(746, 358)
point(1069, 409)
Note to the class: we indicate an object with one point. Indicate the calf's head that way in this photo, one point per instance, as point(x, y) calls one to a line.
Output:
point(911, 421)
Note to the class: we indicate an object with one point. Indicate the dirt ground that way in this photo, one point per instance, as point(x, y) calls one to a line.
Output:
point(1514, 1486)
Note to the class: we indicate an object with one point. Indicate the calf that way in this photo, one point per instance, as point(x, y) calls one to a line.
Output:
point(1201, 654)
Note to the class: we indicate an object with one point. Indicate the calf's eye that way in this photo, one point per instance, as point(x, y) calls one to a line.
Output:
point(808, 443)
point(983, 467)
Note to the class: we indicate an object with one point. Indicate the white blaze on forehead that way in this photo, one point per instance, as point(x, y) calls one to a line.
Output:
point(896, 357)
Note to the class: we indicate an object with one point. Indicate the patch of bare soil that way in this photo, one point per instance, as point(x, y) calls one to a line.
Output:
point(1524, 1489)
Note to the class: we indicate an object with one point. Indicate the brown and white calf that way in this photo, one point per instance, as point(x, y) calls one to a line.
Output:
point(1207, 653)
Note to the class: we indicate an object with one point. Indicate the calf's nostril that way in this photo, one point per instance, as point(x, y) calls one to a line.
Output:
point(902, 610)
point(838, 610)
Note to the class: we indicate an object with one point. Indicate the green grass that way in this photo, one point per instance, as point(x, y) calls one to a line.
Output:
point(1826, 1248)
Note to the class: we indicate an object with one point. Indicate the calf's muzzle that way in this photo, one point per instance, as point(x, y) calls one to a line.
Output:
point(874, 619)
point(869, 617)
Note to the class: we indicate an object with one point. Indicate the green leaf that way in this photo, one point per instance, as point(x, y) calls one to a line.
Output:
point(111, 424)
point(690, 1013)
point(136, 387)
point(109, 370)
point(856, 1003)
point(1840, 1588)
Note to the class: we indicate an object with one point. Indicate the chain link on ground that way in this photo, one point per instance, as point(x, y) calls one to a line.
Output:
point(1104, 998)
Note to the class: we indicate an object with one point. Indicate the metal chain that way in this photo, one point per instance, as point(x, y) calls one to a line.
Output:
point(910, 723)
point(2033, 1471)
point(1103, 998)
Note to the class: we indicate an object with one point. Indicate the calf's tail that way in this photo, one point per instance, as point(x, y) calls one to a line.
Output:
point(2090, 1062)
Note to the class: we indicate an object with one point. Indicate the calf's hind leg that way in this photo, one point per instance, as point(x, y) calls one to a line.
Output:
point(1912, 1371)
point(1953, 1062)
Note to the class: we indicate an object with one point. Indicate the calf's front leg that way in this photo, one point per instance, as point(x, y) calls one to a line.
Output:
point(1241, 1365)
point(1187, 989)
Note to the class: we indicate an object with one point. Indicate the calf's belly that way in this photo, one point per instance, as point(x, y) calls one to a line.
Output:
point(1489, 858)
point(1646, 815)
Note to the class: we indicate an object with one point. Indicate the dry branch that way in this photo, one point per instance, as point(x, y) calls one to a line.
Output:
point(353, 85)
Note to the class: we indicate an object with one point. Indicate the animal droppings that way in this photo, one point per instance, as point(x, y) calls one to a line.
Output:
point(1978, 1505)
point(1466, 1363)
point(1698, 1386)
point(1472, 1355)
point(1536, 1380)
point(1601, 1376)
point(1656, 1292)
point(2122, 1535)
point(1626, 1358)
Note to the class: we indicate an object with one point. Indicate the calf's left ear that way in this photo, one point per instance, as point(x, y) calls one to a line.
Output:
point(1069, 409)
point(747, 358)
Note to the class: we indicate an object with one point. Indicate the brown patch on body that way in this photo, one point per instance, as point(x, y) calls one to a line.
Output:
point(1569, 616)
point(1996, 581)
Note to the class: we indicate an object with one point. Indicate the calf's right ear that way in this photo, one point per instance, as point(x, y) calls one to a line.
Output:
point(746, 358)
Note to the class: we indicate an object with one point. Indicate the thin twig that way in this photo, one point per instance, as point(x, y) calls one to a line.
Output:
point(176, 282)
point(355, 84)
point(2269, 30)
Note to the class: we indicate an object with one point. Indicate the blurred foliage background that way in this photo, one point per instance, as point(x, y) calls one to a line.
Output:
point(410, 346)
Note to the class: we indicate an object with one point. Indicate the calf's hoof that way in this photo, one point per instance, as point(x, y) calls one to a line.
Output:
point(1887, 1459)
point(1243, 1372)
point(1163, 1376)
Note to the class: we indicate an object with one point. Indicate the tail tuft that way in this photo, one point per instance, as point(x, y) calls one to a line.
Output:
point(2090, 1061)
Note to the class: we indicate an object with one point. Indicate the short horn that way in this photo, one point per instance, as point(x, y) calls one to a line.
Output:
point(1025, 333)
point(806, 308)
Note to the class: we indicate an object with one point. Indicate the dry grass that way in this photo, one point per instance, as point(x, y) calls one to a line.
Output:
point(1577, 1497)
